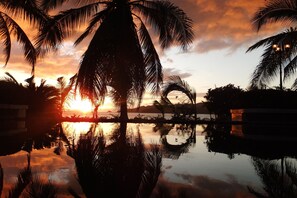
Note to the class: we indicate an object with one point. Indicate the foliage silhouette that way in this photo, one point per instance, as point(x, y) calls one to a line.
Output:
point(181, 111)
point(277, 181)
point(121, 168)
point(121, 54)
point(272, 62)
point(9, 28)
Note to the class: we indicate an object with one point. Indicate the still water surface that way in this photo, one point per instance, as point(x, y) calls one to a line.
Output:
point(180, 161)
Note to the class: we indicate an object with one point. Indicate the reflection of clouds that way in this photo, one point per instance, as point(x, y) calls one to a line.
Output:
point(202, 186)
point(58, 169)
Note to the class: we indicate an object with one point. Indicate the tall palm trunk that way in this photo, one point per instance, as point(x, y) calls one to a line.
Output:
point(124, 109)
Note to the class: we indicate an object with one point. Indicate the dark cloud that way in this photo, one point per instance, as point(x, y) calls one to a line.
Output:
point(175, 72)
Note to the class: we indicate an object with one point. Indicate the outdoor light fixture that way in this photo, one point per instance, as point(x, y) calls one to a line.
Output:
point(281, 50)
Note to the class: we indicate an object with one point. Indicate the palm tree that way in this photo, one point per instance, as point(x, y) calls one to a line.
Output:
point(274, 60)
point(175, 83)
point(64, 91)
point(121, 53)
point(10, 28)
point(275, 11)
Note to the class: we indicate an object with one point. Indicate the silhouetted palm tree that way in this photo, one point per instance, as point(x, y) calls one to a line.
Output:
point(273, 62)
point(64, 91)
point(121, 53)
point(275, 11)
point(9, 28)
point(175, 83)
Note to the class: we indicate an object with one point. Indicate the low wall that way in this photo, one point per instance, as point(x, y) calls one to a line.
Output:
point(272, 121)
point(12, 119)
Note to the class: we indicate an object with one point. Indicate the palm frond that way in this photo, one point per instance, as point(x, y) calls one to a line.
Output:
point(29, 50)
point(11, 78)
point(59, 27)
point(92, 25)
point(48, 5)
point(271, 59)
point(274, 11)
point(27, 10)
point(5, 37)
point(169, 21)
point(152, 61)
point(175, 83)
point(71, 19)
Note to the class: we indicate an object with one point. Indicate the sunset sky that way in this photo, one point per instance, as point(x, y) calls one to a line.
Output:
point(217, 57)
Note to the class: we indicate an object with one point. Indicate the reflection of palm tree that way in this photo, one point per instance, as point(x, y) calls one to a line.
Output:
point(175, 150)
point(273, 61)
point(124, 168)
point(276, 182)
point(121, 53)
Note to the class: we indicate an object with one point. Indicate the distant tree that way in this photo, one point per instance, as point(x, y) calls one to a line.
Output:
point(221, 99)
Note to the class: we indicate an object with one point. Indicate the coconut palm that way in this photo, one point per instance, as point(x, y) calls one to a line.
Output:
point(275, 11)
point(121, 53)
point(9, 28)
point(274, 60)
point(64, 91)
point(175, 83)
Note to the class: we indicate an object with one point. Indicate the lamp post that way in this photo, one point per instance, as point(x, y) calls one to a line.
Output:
point(281, 50)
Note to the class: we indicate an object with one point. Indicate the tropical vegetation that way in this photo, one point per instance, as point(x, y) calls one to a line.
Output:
point(10, 11)
point(280, 50)
point(121, 56)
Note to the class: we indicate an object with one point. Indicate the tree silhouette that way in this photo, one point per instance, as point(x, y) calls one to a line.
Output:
point(273, 61)
point(121, 168)
point(121, 53)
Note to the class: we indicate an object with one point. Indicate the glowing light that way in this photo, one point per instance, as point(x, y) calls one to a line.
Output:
point(82, 105)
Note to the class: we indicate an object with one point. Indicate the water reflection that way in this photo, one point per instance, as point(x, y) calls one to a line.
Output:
point(279, 178)
point(119, 160)
point(220, 139)
point(122, 168)
point(176, 139)
point(28, 185)
point(273, 157)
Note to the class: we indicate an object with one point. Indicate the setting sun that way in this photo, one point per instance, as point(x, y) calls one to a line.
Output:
point(82, 105)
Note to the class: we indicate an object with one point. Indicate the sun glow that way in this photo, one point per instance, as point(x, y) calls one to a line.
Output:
point(78, 104)
point(85, 106)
